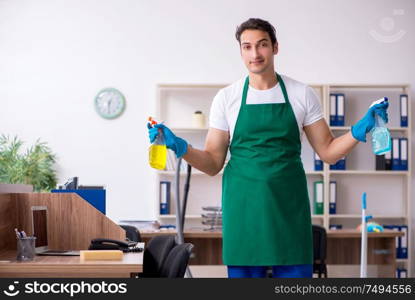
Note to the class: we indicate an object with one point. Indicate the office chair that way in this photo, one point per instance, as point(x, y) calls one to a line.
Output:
point(176, 262)
point(132, 233)
point(155, 253)
point(320, 250)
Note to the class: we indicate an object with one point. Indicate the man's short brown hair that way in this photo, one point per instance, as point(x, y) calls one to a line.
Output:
point(256, 24)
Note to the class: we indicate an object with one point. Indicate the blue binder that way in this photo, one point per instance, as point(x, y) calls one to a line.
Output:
point(404, 110)
point(333, 109)
point(388, 160)
point(339, 165)
point(340, 98)
point(318, 163)
point(403, 249)
point(395, 154)
point(333, 197)
point(403, 154)
point(164, 197)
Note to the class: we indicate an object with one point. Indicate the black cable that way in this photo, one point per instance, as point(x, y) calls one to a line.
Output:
point(186, 192)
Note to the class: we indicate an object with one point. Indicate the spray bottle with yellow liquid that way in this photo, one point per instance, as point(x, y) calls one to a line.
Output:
point(158, 150)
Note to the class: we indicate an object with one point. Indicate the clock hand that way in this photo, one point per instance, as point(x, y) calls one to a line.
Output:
point(109, 105)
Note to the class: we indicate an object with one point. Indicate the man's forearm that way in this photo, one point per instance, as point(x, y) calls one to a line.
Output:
point(339, 147)
point(202, 160)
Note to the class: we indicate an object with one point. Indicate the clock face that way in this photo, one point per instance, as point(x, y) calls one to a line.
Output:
point(109, 103)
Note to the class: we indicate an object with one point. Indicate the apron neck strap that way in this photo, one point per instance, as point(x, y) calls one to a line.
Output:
point(279, 79)
point(284, 90)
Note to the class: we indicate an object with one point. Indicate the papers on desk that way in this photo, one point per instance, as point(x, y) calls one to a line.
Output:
point(141, 224)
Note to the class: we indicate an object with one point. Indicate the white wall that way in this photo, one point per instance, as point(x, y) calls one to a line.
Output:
point(56, 55)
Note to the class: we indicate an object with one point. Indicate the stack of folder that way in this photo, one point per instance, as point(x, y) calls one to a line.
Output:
point(397, 159)
point(337, 109)
point(318, 164)
point(319, 197)
point(401, 241)
point(340, 165)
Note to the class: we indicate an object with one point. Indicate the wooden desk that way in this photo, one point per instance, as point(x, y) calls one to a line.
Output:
point(207, 244)
point(69, 266)
point(343, 247)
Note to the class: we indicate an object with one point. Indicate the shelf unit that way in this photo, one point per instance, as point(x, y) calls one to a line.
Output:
point(191, 97)
point(188, 98)
point(374, 92)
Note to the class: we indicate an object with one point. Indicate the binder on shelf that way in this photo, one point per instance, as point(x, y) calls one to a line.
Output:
point(165, 197)
point(380, 162)
point(339, 165)
point(318, 163)
point(403, 249)
point(318, 198)
point(388, 160)
point(404, 110)
point(395, 154)
point(403, 154)
point(340, 109)
point(401, 273)
point(333, 197)
point(397, 239)
point(333, 109)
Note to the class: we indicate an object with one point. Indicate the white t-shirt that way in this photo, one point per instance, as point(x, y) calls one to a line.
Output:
point(227, 102)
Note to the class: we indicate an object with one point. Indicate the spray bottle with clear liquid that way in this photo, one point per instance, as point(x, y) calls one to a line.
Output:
point(158, 151)
point(381, 138)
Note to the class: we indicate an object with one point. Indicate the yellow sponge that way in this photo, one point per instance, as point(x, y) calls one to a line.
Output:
point(101, 254)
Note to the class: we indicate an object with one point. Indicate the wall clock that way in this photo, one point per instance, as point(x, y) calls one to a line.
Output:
point(109, 103)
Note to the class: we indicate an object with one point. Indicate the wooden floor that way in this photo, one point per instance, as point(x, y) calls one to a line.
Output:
point(334, 271)
point(203, 271)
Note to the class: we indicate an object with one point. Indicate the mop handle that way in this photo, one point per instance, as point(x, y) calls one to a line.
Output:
point(363, 250)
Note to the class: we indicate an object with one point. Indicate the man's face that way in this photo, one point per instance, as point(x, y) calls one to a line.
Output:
point(257, 51)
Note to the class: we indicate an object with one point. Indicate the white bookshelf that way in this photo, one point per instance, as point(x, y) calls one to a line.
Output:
point(175, 106)
point(177, 102)
point(382, 205)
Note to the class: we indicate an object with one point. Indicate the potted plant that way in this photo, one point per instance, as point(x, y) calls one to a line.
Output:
point(34, 166)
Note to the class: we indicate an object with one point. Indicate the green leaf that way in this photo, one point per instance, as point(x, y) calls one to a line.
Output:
point(35, 166)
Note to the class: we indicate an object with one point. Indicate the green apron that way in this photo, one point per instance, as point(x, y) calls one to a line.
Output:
point(266, 209)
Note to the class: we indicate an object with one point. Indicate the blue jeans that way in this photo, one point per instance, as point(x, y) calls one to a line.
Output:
point(291, 271)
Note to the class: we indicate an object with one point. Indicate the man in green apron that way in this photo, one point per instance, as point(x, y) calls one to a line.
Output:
point(266, 210)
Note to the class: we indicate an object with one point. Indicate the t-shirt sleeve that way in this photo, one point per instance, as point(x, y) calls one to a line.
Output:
point(217, 117)
point(313, 107)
